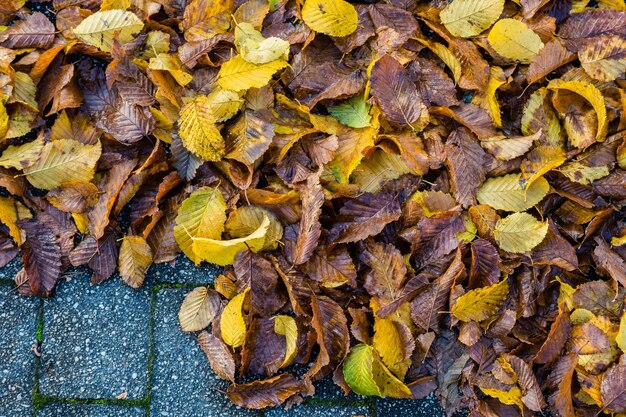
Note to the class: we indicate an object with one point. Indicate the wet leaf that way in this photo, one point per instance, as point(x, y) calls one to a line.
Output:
point(100, 28)
point(467, 18)
point(481, 303)
point(219, 356)
point(520, 232)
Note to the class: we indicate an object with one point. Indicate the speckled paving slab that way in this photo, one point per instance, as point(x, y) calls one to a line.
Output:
point(96, 340)
point(86, 410)
point(18, 328)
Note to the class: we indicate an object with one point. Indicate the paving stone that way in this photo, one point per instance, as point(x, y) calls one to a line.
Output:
point(183, 383)
point(310, 410)
point(427, 407)
point(96, 339)
point(183, 271)
point(327, 389)
point(9, 270)
point(18, 327)
point(84, 410)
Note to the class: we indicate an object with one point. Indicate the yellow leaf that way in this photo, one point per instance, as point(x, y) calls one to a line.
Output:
point(583, 173)
point(237, 74)
point(506, 149)
point(352, 146)
point(514, 40)
point(620, 339)
point(487, 98)
point(24, 91)
point(4, 120)
point(200, 307)
point(506, 193)
point(245, 220)
point(171, 64)
point(358, 370)
point(11, 211)
point(286, 326)
point(467, 18)
point(566, 294)
point(618, 240)
point(63, 160)
point(592, 95)
point(134, 260)
point(256, 49)
point(378, 169)
point(520, 232)
point(511, 397)
point(223, 252)
point(539, 116)
point(99, 28)
point(197, 129)
point(389, 343)
point(224, 104)
point(481, 303)
point(604, 59)
point(232, 324)
point(114, 4)
point(202, 214)
point(331, 17)
point(540, 161)
point(21, 156)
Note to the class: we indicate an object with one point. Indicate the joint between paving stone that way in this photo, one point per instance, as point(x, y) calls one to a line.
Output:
point(43, 400)
point(151, 356)
point(39, 338)
point(7, 282)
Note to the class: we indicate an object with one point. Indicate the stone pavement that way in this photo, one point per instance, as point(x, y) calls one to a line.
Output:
point(112, 351)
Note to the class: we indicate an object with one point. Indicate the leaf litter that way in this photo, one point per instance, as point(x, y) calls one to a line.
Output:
point(406, 197)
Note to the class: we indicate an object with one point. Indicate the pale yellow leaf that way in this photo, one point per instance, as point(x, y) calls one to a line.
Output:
point(520, 232)
point(99, 28)
point(63, 160)
point(134, 260)
point(200, 307)
point(223, 252)
point(506, 193)
point(467, 18)
point(256, 49)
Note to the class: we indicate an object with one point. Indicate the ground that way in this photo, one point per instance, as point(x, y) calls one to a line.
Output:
point(112, 351)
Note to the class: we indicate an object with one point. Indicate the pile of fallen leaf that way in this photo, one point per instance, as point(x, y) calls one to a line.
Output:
point(410, 197)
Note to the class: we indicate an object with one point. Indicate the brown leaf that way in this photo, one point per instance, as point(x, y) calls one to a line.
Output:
point(554, 343)
point(610, 261)
point(333, 338)
point(33, 31)
point(613, 388)
point(309, 229)
point(41, 255)
point(466, 162)
point(395, 92)
point(364, 216)
point(427, 304)
point(263, 350)
point(387, 270)
point(266, 393)
point(559, 381)
point(257, 273)
point(485, 268)
point(331, 267)
point(219, 356)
